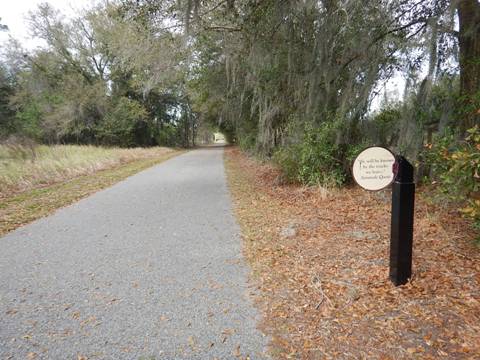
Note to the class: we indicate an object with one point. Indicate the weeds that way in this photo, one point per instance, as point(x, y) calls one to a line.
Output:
point(25, 167)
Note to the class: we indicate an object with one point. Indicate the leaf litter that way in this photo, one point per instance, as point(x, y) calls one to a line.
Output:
point(324, 291)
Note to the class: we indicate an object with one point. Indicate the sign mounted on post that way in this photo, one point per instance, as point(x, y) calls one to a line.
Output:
point(373, 168)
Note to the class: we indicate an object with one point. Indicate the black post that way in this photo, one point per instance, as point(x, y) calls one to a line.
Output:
point(401, 237)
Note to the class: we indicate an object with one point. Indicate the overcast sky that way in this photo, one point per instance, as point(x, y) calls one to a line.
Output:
point(13, 13)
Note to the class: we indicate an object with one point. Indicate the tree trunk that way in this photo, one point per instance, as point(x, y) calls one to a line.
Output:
point(469, 41)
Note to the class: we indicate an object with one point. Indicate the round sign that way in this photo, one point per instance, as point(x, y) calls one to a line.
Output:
point(373, 168)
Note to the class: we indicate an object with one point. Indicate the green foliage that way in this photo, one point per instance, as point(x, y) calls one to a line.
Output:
point(119, 125)
point(288, 159)
point(247, 142)
point(315, 160)
point(167, 135)
point(385, 125)
point(7, 115)
point(456, 168)
point(28, 121)
point(468, 108)
point(101, 78)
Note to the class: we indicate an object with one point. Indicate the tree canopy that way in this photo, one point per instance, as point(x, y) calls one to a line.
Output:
point(307, 83)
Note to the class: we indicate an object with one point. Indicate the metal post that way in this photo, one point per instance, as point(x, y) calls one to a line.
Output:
point(401, 237)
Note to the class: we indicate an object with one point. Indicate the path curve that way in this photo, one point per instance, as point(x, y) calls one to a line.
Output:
point(149, 268)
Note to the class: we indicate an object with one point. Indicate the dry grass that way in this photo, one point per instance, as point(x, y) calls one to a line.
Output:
point(62, 175)
point(321, 264)
point(23, 168)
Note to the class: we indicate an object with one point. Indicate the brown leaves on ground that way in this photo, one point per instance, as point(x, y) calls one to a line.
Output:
point(324, 287)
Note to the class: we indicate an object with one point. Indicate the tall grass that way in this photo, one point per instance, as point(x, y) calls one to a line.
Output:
point(23, 168)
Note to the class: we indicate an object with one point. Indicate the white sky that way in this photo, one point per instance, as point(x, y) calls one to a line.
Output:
point(14, 12)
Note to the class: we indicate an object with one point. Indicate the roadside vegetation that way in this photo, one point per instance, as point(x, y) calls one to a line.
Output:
point(36, 181)
point(24, 168)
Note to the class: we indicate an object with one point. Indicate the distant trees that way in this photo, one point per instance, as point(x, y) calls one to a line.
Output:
point(110, 76)
point(6, 92)
point(7, 115)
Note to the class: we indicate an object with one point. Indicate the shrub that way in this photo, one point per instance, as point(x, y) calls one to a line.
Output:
point(456, 168)
point(313, 161)
point(119, 125)
point(27, 122)
point(167, 136)
point(247, 142)
point(288, 159)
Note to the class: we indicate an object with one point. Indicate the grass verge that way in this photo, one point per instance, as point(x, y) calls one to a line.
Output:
point(320, 260)
point(27, 167)
point(25, 207)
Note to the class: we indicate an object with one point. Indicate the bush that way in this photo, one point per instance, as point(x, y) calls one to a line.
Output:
point(456, 168)
point(288, 159)
point(167, 136)
point(314, 161)
point(119, 125)
point(27, 122)
point(247, 142)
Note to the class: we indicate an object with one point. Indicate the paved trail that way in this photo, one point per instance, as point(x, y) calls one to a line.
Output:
point(150, 268)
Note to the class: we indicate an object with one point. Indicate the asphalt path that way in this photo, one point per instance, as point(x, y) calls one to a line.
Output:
point(150, 268)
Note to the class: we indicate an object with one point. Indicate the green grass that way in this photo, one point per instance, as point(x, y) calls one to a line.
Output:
point(18, 208)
